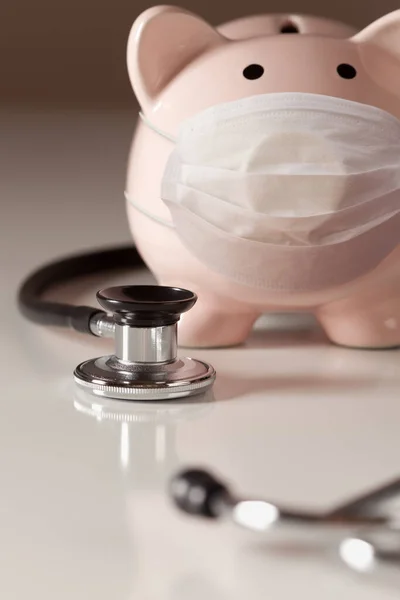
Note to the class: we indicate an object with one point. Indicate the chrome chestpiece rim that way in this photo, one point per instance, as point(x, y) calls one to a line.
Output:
point(145, 364)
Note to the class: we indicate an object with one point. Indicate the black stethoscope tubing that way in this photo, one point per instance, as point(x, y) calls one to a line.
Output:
point(31, 292)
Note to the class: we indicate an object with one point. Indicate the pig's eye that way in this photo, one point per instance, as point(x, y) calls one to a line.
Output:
point(253, 72)
point(346, 71)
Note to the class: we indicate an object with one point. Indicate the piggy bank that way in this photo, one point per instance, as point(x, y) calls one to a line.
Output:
point(263, 173)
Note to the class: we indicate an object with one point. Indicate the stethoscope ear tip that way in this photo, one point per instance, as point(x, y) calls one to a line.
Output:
point(197, 492)
point(373, 550)
point(357, 553)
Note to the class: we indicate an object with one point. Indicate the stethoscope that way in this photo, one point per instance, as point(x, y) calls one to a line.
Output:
point(141, 319)
point(145, 366)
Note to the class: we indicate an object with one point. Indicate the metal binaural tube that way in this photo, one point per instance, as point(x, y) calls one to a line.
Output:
point(146, 344)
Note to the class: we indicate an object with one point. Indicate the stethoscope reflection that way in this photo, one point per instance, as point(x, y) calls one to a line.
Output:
point(147, 452)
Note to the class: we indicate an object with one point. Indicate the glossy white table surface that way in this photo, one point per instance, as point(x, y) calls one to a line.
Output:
point(84, 512)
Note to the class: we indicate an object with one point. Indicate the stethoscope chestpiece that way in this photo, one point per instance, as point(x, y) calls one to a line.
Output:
point(145, 365)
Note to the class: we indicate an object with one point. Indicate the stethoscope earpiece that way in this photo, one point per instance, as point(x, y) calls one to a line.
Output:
point(145, 364)
point(198, 493)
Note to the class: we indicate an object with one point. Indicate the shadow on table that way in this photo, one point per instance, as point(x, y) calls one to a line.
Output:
point(228, 387)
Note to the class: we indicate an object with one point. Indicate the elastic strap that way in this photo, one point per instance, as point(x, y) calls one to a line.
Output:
point(156, 129)
point(144, 212)
point(137, 206)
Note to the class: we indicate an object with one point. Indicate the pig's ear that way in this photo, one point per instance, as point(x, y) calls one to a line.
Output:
point(379, 50)
point(162, 41)
point(383, 34)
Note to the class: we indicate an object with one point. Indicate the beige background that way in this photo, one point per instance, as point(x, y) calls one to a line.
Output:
point(73, 52)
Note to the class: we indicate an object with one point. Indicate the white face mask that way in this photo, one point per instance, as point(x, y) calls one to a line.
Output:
point(287, 191)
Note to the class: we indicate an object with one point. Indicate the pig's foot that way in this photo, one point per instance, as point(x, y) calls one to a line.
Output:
point(203, 327)
point(214, 322)
point(372, 323)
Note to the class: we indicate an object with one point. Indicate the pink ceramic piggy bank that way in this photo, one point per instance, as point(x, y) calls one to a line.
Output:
point(264, 172)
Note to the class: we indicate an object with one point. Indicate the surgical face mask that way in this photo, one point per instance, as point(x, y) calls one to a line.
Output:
point(287, 191)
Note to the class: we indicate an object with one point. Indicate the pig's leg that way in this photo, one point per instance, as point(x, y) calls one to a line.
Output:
point(206, 327)
point(371, 320)
point(214, 322)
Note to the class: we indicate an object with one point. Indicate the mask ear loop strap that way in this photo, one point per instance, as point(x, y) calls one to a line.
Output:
point(137, 206)
point(148, 214)
point(156, 129)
